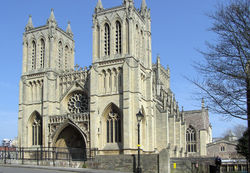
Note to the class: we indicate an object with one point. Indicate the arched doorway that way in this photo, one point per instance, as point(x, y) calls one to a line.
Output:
point(71, 143)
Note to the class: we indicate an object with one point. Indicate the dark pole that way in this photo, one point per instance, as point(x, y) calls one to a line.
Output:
point(5, 148)
point(139, 166)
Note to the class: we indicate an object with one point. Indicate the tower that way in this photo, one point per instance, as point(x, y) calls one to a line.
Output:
point(47, 50)
point(121, 80)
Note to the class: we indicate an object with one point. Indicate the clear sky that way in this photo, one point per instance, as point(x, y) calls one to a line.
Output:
point(179, 27)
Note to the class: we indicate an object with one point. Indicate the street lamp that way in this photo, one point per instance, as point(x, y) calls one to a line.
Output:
point(139, 117)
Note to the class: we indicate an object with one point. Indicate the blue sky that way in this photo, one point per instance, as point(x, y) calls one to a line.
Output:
point(179, 27)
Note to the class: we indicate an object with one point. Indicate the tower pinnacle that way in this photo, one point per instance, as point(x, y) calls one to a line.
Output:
point(68, 30)
point(143, 5)
point(128, 3)
point(52, 19)
point(99, 6)
point(143, 8)
point(29, 24)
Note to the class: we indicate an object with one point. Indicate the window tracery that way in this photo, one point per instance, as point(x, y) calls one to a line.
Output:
point(36, 131)
point(78, 103)
point(191, 139)
point(113, 127)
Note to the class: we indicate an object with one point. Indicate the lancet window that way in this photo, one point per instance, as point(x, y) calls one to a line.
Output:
point(36, 131)
point(60, 53)
point(113, 127)
point(42, 53)
point(118, 42)
point(191, 139)
point(33, 55)
point(66, 57)
point(106, 40)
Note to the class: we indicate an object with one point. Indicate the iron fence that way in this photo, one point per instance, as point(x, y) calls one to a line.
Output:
point(46, 154)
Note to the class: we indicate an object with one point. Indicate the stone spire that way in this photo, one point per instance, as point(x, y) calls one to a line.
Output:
point(99, 6)
point(68, 30)
point(29, 24)
point(52, 19)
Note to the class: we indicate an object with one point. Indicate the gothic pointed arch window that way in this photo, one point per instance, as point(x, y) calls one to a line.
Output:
point(42, 53)
point(118, 36)
point(106, 40)
point(66, 56)
point(33, 55)
point(114, 125)
point(36, 124)
point(191, 139)
point(60, 53)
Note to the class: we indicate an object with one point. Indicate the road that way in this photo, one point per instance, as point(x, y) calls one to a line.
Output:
point(28, 170)
point(35, 170)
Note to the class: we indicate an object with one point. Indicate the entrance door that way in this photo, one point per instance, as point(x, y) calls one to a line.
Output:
point(70, 143)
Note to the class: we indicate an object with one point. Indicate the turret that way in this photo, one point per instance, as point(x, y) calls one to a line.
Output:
point(29, 25)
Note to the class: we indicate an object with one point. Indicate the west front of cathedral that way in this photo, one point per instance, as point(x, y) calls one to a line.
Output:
point(63, 105)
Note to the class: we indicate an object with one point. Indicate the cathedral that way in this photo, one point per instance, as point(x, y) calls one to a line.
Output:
point(64, 105)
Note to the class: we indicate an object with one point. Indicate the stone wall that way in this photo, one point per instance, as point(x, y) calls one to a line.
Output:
point(125, 163)
point(191, 165)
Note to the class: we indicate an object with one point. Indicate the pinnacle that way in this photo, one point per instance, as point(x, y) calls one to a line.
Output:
point(68, 30)
point(52, 19)
point(99, 5)
point(143, 5)
point(29, 24)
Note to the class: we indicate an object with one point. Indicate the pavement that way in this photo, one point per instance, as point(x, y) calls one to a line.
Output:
point(13, 168)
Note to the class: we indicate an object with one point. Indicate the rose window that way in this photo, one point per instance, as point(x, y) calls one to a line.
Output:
point(78, 103)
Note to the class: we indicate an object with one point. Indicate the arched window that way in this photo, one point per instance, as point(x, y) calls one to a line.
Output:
point(66, 56)
point(60, 53)
point(118, 36)
point(113, 127)
point(37, 130)
point(107, 40)
point(191, 139)
point(42, 53)
point(33, 55)
point(222, 148)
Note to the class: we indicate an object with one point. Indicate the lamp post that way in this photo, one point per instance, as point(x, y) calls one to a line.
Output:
point(139, 117)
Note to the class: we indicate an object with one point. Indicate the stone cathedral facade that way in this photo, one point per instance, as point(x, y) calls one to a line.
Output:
point(63, 105)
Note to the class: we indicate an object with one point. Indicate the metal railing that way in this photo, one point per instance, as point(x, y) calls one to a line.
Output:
point(46, 154)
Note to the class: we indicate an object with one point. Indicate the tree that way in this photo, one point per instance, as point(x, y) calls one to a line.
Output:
point(242, 146)
point(226, 66)
point(237, 130)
